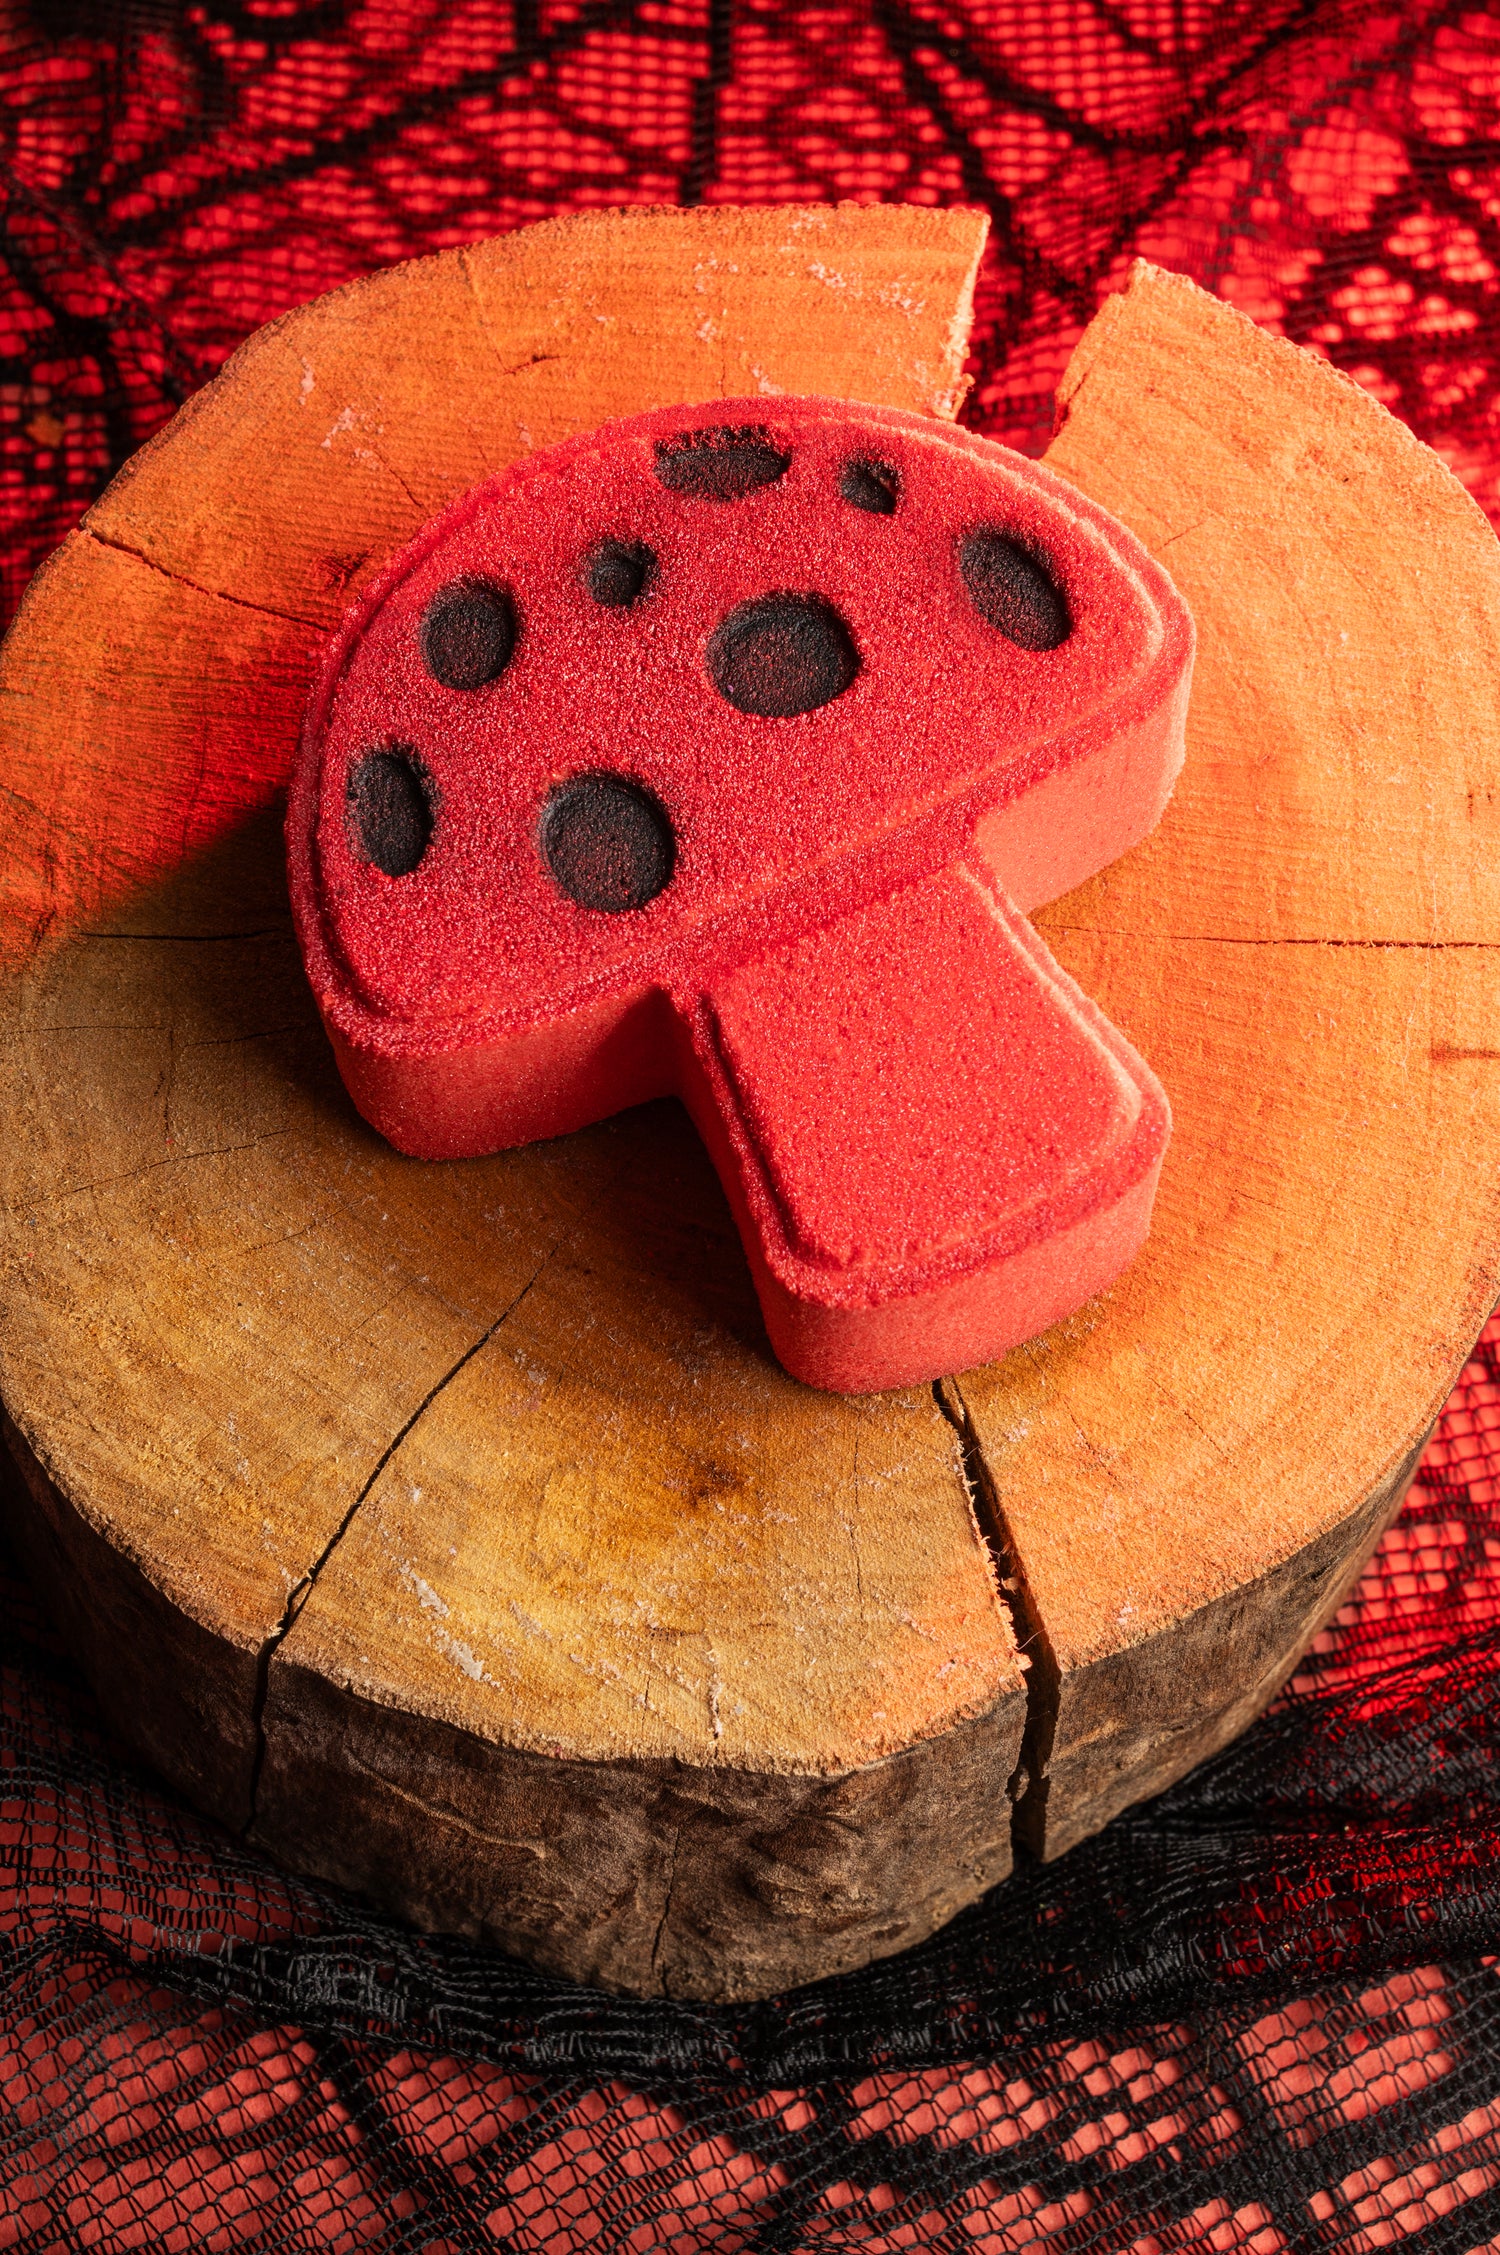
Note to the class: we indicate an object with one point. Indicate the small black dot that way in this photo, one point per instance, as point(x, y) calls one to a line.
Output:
point(781, 655)
point(872, 486)
point(722, 463)
point(1012, 589)
point(468, 633)
point(620, 572)
point(607, 843)
point(388, 801)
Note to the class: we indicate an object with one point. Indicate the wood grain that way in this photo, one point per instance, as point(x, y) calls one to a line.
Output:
point(451, 1529)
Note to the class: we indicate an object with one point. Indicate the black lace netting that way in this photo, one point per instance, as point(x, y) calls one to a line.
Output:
point(1262, 2013)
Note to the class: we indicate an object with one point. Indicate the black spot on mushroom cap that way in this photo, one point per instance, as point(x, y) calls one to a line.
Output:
point(389, 805)
point(607, 842)
point(468, 633)
point(779, 655)
point(619, 572)
point(1012, 588)
point(872, 486)
point(723, 462)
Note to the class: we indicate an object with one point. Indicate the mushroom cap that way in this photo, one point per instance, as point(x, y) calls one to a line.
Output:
point(667, 694)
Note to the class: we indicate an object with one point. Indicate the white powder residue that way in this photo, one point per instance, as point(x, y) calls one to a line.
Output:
point(451, 1649)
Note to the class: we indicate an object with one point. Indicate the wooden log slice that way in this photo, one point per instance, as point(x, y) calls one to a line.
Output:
point(450, 1529)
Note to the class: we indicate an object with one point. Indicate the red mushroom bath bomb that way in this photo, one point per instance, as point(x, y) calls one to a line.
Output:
point(723, 752)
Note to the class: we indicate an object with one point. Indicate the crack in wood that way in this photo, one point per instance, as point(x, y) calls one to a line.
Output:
point(666, 1908)
point(197, 939)
point(1039, 1663)
point(1248, 939)
point(303, 1588)
point(214, 594)
point(154, 1166)
point(435, 1813)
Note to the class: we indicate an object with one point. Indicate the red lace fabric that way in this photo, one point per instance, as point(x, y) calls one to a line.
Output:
point(1263, 2014)
point(175, 175)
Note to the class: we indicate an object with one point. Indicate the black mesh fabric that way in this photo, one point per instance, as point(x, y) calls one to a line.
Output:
point(1262, 2013)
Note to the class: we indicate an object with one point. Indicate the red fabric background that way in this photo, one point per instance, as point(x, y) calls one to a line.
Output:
point(173, 176)
point(170, 177)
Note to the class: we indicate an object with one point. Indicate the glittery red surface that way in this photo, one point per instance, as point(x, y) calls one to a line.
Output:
point(934, 1146)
